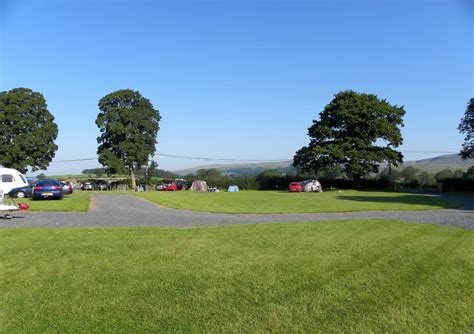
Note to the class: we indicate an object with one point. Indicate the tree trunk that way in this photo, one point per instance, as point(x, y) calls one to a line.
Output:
point(356, 182)
point(132, 178)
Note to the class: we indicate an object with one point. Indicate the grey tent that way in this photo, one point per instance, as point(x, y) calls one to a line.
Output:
point(233, 188)
point(312, 185)
point(199, 185)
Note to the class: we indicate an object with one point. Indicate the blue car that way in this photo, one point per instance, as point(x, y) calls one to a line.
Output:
point(44, 189)
point(22, 192)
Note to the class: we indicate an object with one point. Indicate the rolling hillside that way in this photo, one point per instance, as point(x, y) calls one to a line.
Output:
point(432, 165)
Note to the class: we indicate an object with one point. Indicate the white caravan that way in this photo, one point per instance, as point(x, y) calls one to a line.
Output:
point(11, 178)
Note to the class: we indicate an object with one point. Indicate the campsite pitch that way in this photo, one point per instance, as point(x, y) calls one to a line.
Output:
point(353, 276)
point(284, 202)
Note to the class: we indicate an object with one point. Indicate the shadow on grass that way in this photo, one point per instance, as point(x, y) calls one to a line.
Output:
point(407, 200)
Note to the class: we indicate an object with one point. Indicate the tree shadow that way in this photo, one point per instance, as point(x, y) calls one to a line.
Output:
point(407, 199)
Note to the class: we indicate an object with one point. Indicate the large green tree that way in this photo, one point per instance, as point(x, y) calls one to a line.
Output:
point(466, 127)
point(128, 123)
point(28, 130)
point(357, 131)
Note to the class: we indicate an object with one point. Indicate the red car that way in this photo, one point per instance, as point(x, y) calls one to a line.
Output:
point(170, 187)
point(295, 187)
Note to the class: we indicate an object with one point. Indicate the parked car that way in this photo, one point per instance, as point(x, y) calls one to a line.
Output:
point(295, 187)
point(89, 186)
point(31, 180)
point(11, 178)
point(49, 188)
point(170, 187)
point(67, 188)
point(22, 192)
point(103, 186)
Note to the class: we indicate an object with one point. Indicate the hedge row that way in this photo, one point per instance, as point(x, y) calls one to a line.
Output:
point(455, 184)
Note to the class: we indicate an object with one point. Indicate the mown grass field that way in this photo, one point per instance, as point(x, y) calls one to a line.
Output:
point(284, 202)
point(78, 201)
point(353, 276)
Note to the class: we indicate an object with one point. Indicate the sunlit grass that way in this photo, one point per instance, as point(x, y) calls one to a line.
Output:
point(354, 276)
point(284, 202)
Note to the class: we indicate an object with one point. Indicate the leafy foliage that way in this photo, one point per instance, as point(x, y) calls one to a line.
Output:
point(426, 179)
point(410, 174)
point(350, 131)
point(128, 123)
point(467, 127)
point(444, 174)
point(28, 130)
point(469, 175)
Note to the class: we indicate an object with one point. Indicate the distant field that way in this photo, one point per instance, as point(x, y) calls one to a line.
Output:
point(435, 168)
point(284, 202)
point(78, 201)
point(354, 276)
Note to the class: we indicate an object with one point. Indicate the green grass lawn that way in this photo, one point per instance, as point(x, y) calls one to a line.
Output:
point(284, 202)
point(78, 201)
point(353, 276)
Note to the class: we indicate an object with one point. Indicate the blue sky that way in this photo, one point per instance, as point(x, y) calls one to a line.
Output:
point(240, 79)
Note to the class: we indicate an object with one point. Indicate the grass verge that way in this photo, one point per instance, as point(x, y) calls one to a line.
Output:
point(353, 276)
point(284, 202)
point(78, 201)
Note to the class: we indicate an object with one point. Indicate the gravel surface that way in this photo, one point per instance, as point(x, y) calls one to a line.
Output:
point(126, 210)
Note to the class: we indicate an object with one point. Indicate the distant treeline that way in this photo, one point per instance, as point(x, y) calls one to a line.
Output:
point(409, 177)
point(157, 173)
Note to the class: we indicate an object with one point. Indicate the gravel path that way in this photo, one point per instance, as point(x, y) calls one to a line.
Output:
point(126, 210)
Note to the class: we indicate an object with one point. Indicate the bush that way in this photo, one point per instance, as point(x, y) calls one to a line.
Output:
point(457, 184)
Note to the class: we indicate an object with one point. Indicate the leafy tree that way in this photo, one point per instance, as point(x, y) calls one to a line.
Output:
point(410, 174)
point(128, 123)
point(350, 132)
point(458, 174)
point(96, 171)
point(469, 175)
point(466, 127)
point(28, 130)
point(388, 175)
point(332, 173)
point(150, 170)
point(426, 179)
point(444, 174)
point(208, 173)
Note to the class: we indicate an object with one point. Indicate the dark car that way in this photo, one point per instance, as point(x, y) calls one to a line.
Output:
point(67, 188)
point(89, 186)
point(48, 189)
point(103, 186)
point(22, 192)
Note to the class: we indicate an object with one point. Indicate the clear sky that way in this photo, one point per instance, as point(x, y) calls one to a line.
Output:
point(240, 79)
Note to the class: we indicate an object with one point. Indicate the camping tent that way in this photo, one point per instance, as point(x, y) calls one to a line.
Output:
point(199, 185)
point(312, 185)
point(233, 188)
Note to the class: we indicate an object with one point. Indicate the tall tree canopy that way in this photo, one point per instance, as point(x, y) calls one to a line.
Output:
point(357, 131)
point(466, 127)
point(128, 123)
point(28, 130)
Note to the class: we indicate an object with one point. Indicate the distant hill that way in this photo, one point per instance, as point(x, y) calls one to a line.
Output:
point(241, 169)
point(432, 165)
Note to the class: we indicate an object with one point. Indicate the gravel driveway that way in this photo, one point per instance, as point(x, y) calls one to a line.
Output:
point(126, 210)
